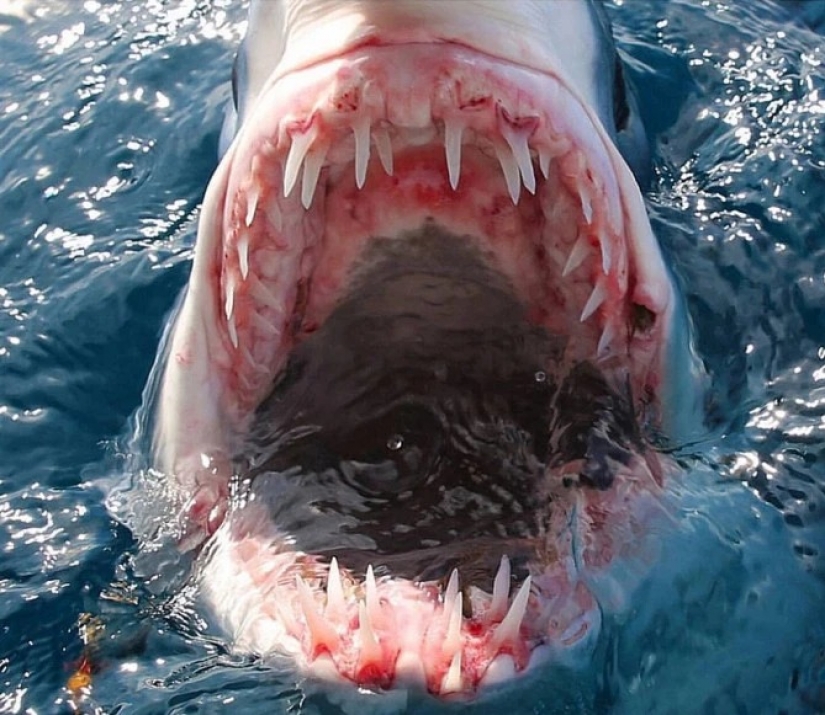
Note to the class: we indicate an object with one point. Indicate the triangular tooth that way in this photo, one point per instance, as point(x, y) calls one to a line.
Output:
point(517, 140)
point(607, 253)
point(453, 131)
point(324, 669)
point(320, 631)
point(452, 590)
point(312, 170)
point(452, 640)
point(243, 254)
point(233, 331)
point(501, 670)
point(251, 205)
point(452, 681)
point(370, 647)
point(229, 304)
point(508, 629)
point(409, 669)
point(384, 146)
point(361, 131)
point(371, 592)
point(580, 250)
point(596, 298)
point(301, 142)
point(544, 162)
point(604, 348)
point(510, 169)
point(336, 602)
point(587, 206)
point(501, 589)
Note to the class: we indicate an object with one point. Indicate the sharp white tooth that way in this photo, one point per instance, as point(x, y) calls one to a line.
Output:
point(371, 592)
point(452, 641)
point(501, 589)
point(410, 669)
point(587, 206)
point(384, 146)
point(501, 670)
point(361, 130)
point(452, 590)
point(312, 170)
point(452, 681)
point(233, 331)
point(605, 346)
point(243, 254)
point(544, 162)
point(336, 602)
point(229, 305)
point(251, 205)
point(370, 647)
point(517, 140)
point(301, 142)
point(325, 670)
point(607, 253)
point(508, 629)
point(511, 171)
point(320, 630)
point(577, 255)
point(453, 130)
point(594, 301)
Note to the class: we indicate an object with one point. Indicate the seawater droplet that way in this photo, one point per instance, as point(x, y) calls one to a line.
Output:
point(540, 376)
point(395, 442)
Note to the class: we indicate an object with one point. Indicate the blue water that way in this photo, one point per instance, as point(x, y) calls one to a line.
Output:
point(109, 122)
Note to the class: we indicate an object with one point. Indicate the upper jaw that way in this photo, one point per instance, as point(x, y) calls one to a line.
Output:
point(286, 36)
point(499, 149)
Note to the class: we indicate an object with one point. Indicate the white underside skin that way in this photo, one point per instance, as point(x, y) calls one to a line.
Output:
point(356, 111)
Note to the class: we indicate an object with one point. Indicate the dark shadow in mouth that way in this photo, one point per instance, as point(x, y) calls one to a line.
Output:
point(417, 424)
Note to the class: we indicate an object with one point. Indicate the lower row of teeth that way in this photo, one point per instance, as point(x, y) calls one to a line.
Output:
point(326, 626)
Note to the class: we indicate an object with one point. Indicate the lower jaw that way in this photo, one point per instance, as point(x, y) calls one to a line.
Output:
point(380, 632)
point(383, 616)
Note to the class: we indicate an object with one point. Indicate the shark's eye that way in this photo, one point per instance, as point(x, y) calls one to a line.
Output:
point(393, 452)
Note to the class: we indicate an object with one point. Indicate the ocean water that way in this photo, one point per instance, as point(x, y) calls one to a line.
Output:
point(109, 120)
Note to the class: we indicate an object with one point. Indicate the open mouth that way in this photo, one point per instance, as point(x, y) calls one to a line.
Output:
point(337, 163)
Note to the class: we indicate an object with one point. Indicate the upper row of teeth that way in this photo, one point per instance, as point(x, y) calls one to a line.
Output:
point(310, 142)
point(308, 152)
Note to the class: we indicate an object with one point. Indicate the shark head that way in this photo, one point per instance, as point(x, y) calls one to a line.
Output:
point(427, 327)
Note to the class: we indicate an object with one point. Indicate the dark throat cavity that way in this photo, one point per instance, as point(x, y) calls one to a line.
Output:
point(417, 429)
